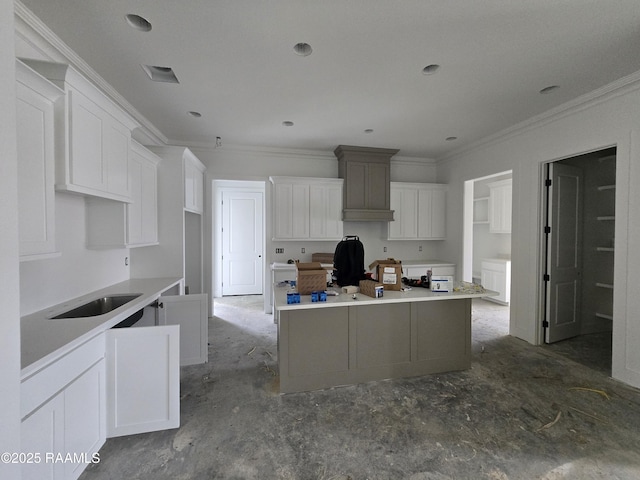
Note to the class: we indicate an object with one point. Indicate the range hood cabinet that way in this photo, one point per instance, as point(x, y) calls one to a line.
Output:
point(367, 176)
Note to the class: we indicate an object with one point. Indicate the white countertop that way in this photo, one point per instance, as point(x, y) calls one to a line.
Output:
point(292, 266)
point(427, 263)
point(345, 299)
point(44, 339)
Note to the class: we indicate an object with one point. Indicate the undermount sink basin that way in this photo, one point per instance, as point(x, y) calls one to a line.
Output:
point(99, 306)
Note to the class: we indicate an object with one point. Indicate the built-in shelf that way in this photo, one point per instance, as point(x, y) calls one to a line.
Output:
point(604, 285)
point(605, 218)
point(604, 316)
point(605, 249)
point(481, 210)
point(602, 188)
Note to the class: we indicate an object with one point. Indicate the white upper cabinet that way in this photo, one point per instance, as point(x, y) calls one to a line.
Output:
point(193, 183)
point(36, 163)
point(500, 206)
point(112, 224)
point(307, 208)
point(93, 136)
point(142, 212)
point(419, 211)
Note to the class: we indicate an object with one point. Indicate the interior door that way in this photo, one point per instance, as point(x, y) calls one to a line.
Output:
point(242, 242)
point(564, 245)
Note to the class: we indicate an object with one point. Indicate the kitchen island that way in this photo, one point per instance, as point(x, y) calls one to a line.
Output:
point(345, 341)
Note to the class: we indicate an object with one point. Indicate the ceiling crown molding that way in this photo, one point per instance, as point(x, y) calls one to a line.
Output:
point(41, 29)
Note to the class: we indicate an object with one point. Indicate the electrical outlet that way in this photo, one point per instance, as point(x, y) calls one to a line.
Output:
point(420, 248)
point(279, 250)
point(302, 250)
point(384, 249)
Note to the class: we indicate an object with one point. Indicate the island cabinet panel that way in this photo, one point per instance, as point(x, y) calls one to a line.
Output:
point(343, 345)
point(382, 335)
point(443, 334)
point(315, 343)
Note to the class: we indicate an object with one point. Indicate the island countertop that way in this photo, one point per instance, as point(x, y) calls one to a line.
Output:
point(44, 339)
point(416, 294)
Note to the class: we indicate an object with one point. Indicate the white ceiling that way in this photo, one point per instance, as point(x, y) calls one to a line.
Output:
point(235, 63)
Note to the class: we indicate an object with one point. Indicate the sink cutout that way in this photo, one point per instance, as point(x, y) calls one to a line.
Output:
point(99, 306)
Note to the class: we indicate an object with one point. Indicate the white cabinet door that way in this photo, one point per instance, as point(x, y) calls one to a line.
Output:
point(84, 417)
point(496, 275)
point(432, 213)
point(500, 194)
point(142, 212)
point(143, 379)
point(307, 208)
point(85, 136)
point(325, 211)
point(35, 145)
point(193, 186)
point(190, 312)
point(43, 432)
point(419, 211)
point(300, 211)
point(404, 203)
point(117, 140)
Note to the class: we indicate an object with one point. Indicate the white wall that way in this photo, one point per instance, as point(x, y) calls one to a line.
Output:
point(253, 164)
point(602, 120)
point(9, 293)
point(78, 270)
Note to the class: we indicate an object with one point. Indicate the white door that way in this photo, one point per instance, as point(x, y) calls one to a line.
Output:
point(242, 242)
point(564, 245)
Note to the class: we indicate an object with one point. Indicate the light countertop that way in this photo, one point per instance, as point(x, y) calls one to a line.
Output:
point(344, 299)
point(44, 339)
point(428, 263)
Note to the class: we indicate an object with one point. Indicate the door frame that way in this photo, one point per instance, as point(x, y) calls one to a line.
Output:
point(218, 186)
point(542, 240)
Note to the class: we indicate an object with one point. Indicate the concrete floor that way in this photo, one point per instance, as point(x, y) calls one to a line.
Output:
point(520, 412)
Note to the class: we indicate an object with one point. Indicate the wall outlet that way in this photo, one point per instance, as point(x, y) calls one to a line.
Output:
point(420, 248)
point(302, 250)
point(279, 250)
point(384, 249)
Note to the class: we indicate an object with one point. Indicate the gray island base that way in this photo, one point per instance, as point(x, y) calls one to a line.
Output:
point(345, 341)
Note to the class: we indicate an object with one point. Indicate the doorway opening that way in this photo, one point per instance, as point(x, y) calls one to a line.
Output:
point(487, 238)
point(578, 228)
point(239, 237)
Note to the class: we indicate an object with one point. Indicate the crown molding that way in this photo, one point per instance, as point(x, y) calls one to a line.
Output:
point(610, 91)
point(40, 28)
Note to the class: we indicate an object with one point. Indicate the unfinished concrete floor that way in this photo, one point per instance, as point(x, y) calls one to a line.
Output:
point(520, 412)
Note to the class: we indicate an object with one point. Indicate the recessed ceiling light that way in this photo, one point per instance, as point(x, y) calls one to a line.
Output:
point(160, 74)
point(451, 139)
point(302, 49)
point(194, 114)
point(430, 69)
point(138, 22)
point(549, 89)
point(287, 123)
point(369, 130)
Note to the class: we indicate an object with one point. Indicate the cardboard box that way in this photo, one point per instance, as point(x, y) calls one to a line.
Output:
point(322, 258)
point(441, 283)
point(388, 272)
point(371, 288)
point(310, 277)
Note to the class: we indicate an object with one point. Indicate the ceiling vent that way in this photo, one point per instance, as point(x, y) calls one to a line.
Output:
point(160, 74)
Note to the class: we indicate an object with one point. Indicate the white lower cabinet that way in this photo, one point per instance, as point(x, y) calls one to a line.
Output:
point(42, 432)
point(63, 405)
point(496, 275)
point(190, 312)
point(143, 379)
